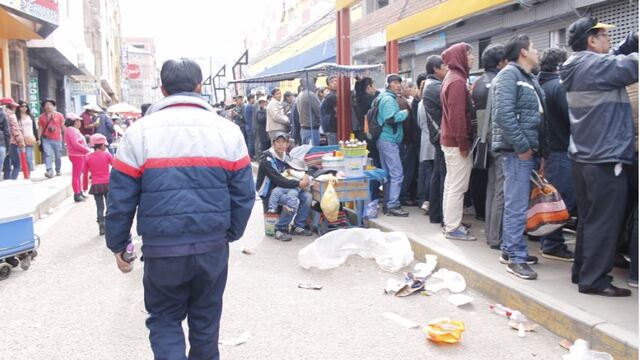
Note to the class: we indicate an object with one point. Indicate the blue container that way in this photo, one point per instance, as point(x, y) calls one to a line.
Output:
point(16, 237)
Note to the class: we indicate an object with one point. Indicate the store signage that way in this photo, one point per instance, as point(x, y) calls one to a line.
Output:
point(34, 96)
point(132, 71)
point(84, 88)
point(46, 10)
point(430, 43)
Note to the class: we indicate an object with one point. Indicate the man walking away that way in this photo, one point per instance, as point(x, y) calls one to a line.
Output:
point(601, 146)
point(456, 138)
point(277, 120)
point(390, 117)
point(557, 169)
point(516, 114)
point(329, 108)
point(436, 72)
point(192, 199)
point(50, 129)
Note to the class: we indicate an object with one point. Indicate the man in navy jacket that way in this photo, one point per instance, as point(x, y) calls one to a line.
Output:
point(187, 174)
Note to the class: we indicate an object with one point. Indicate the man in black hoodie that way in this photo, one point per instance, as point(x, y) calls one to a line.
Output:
point(557, 168)
point(4, 142)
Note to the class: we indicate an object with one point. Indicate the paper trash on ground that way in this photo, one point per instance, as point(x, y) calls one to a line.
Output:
point(243, 338)
point(393, 286)
point(409, 324)
point(425, 269)
point(391, 250)
point(450, 280)
point(460, 299)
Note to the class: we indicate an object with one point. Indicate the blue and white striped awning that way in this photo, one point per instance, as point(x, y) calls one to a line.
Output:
point(324, 69)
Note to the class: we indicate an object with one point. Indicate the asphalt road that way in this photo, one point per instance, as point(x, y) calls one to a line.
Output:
point(74, 304)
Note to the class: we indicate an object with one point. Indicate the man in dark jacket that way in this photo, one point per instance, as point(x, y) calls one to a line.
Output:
point(411, 145)
point(601, 146)
point(328, 108)
point(308, 107)
point(105, 127)
point(516, 116)
point(248, 116)
point(260, 128)
point(4, 142)
point(270, 179)
point(557, 169)
point(493, 60)
point(436, 72)
point(456, 137)
point(192, 199)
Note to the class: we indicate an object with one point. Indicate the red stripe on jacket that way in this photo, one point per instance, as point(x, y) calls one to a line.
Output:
point(126, 169)
point(197, 162)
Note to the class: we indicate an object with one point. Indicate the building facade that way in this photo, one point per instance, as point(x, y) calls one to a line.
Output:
point(140, 72)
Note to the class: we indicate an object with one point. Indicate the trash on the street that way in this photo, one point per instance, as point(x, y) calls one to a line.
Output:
point(401, 320)
point(566, 344)
point(391, 250)
point(411, 285)
point(515, 317)
point(580, 351)
point(393, 286)
point(450, 280)
point(425, 269)
point(310, 286)
point(460, 299)
point(444, 331)
point(243, 338)
point(521, 332)
point(371, 211)
point(330, 203)
point(248, 251)
point(527, 324)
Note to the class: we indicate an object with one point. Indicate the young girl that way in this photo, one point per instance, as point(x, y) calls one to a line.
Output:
point(98, 164)
point(78, 150)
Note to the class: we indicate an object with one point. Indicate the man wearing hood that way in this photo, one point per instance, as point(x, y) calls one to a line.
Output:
point(308, 107)
point(601, 147)
point(518, 134)
point(456, 138)
point(186, 173)
point(292, 194)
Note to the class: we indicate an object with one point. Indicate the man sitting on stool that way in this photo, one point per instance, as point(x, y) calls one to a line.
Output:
point(279, 188)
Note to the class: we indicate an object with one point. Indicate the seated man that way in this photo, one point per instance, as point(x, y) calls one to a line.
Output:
point(292, 194)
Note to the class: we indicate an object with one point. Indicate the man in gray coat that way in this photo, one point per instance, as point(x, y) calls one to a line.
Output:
point(308, 107)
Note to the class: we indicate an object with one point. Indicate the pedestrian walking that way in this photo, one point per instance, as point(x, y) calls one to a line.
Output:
point(277, 120)
point(50, 129)
point(16, 140)
point(456, 138)
point(78, 150)
point(104, 126)
point(191, 198)
point(25, 119)
point(601, 146)
point(98, 163)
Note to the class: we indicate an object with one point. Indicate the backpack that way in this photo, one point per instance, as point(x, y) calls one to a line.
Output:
point(372, 128)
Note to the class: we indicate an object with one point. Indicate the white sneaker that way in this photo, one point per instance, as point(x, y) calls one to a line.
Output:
point(425, 206)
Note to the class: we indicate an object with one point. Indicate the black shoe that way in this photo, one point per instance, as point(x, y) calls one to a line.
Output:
point(12, 261)
point(48, 174)
point(300, 231)
point(619, 261)
point(77, 198)
point(58, 173)
point(397, 211)
point(561, 254)
point(522, 271)
point(494, 247)
point(531, 260)
point(409, 203)
point(101, 227)
point(611, 291)
point(282, 236)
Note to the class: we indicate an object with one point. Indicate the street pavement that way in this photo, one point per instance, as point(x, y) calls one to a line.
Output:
point(74, 304)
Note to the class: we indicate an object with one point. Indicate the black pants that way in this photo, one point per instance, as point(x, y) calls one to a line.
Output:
point(436, 187)
point(601, 198)
point(182, 287)
point(410, 162)
point(478, 182)
point(101, 200)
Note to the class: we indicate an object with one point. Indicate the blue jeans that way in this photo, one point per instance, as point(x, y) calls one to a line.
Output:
point(30, 157)
point(391, 163)
point(295, 203)
point(310, 135)
point(332, 138)
point(517, 189)
point(424, 179)
point(52, 151)
point(557, 170)
point(14, 154)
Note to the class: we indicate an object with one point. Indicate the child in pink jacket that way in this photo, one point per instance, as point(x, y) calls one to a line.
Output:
point(98, 164)
point(78, 150)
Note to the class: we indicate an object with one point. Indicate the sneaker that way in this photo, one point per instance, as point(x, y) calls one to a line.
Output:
point(48, 174)
point(58, 173)
point(633, 283)
point(461, 233)
point(531, 260)
point(425, 207)
point(300, 231)
point(78, 198)
point(282, 236)
point(397, 211)
point(523, 271)
point(561, 254)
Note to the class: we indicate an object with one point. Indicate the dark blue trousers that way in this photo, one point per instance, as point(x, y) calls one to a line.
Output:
point(188, 287)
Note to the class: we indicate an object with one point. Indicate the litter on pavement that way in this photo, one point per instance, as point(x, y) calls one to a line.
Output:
point(460, 299)
point(444, 331)
point(450, 280)
point(425, 269)
point(310, 286)
point(241, 339)
point(580, 351)
point(248, 251)
point(391, 250)
point(517, 320)
point(409, 324)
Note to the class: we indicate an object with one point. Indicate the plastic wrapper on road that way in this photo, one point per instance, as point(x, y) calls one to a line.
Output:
point(392, 250)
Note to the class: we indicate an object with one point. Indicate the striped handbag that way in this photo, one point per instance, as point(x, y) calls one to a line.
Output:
point(547, 212)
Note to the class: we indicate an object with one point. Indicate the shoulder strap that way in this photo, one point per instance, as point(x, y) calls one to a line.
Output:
point(487, 114)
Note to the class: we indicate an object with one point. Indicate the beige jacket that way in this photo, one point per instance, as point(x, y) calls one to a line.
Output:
point(276, 119)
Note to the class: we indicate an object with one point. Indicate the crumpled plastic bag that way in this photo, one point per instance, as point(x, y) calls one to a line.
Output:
point(444, 331)
point(330, 204)
point(392, 250)
point(371, 210)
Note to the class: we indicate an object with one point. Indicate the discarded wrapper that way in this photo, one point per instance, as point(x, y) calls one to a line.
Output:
point(248, 251)
point(243, 338)
point(310, 286)
point(444, 331)
point(393, 286)
point(460, 299)
point(411, 285)
point(400, 320)
point(526, 325)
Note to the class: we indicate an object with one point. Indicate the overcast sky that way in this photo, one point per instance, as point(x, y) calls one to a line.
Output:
point(194, 28)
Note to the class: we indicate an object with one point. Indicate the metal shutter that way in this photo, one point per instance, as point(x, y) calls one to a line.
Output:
point(623, 14)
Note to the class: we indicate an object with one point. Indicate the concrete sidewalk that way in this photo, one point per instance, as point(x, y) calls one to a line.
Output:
point(609, 324)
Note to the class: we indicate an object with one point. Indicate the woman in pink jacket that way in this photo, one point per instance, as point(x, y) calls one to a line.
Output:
point(78, 150)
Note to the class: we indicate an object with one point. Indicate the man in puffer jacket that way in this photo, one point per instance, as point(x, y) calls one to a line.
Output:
point(601, 146)
point(186, 172)
point(516, 115)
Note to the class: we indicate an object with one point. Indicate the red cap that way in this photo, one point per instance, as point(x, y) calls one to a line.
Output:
point(8, 101)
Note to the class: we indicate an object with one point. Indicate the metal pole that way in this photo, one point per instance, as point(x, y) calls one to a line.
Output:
point(343, 32)
point(308, 89)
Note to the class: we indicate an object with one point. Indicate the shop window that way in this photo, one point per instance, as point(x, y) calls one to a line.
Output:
point(373, 5)
point(558, 38)
point(16, 74)
point(482, 45)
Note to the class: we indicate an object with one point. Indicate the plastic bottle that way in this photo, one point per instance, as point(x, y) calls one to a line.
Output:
point(507, 312)
point(130, 253)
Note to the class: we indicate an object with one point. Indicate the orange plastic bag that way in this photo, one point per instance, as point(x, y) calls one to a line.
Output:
point(444, 331)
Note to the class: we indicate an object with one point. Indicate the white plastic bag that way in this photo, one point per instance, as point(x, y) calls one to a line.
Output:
point(391, 251)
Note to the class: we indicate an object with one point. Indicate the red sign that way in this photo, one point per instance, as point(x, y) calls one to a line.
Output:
point(132, 71)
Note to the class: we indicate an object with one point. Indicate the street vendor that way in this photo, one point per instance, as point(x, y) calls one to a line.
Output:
point(282, 181)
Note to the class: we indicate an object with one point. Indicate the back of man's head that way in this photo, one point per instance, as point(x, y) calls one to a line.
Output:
point(180, 75)
point(434, 62)
point(514, 45)
point(552, 58)
point(492, 56)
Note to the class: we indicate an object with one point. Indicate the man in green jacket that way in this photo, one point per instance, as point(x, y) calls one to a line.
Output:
point(390, 118)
